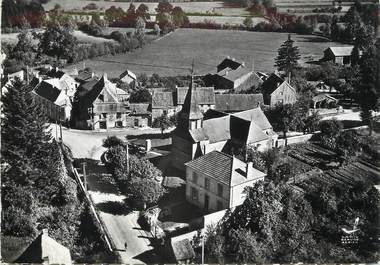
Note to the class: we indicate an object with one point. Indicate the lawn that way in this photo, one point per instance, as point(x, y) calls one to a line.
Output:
point(173, 54)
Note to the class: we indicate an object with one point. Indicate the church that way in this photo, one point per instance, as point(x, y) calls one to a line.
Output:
point(200, 133)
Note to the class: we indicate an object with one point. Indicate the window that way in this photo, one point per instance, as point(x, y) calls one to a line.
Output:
point(219, 205)
point(104, 115)
point(194, 194)
point(220, 190)
point(195, 178)
point(118, 115)
point(207, 184)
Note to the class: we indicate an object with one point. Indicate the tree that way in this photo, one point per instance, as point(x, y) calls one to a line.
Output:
point(57, 41)
point(140, 96)
point(24, 133)
point(347, 145)
point(140, 31)
point(288, 56)
point(248, 22)
point(163, 122)
point(282, 116)
point(24, 51)
point(179, 17)
point(112, 141)
point(146, 191)
point(142, 168)
point(143, 12)
point(330, 129)
point(312, 122)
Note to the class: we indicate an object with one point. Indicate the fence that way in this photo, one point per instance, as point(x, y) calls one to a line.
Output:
point(110, 244)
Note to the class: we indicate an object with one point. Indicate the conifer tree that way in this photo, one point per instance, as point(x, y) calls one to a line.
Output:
point(288, 56)
point(24, 133)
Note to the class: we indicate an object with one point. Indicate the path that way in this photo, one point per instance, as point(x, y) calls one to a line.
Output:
point(120, 222)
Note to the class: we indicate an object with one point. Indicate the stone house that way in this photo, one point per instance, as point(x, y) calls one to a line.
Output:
point(339, 55)
point(129, 78)
point(54, 100)
point(99, 104)
point(277, 90)
point(139, 115)
point(216, 181)
point(234, 76)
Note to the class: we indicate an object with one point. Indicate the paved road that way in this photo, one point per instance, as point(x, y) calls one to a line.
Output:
point(120, 222)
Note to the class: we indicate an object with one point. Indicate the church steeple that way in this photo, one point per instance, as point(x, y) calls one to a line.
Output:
point(190, 115)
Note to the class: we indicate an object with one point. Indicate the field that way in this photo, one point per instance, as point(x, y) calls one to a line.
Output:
point(189, 7)
point(174, 53)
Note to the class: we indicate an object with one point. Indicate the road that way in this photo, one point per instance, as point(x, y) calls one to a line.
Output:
point(120, 222)
point(88, 144)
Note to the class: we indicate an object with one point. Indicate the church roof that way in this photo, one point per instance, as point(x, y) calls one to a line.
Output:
point(190, 108)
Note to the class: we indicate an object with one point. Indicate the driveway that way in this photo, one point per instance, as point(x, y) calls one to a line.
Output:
point(120, 222)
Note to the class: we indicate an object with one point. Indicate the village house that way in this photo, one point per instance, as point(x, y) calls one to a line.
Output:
point(234, 76)
point(196, 136)
point(100, 104)
point(45, 250)
point(277, 90)
point(170, 103)
point(339, 55)
point(237, 102)
point(139, 115)
point(129, 78)
point(216, 181)
point(54, 100)
point(67, 82)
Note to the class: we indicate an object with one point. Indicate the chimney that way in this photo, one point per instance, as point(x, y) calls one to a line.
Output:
point(92, 74)
point(249, 170)
point(105, 76)
point(45, 231)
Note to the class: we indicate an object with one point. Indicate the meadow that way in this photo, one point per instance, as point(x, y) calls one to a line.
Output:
point(173, 54)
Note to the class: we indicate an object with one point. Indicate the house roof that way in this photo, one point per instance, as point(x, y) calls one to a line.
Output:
point(205, 95)
point(182, 250)
point(252, 80)
point(48, 91)
point(217, 129)
point(237, 102)
point(215, 164)
point(256, 115)
point(162, 100)
point(230, 63)
point(246, 131)
point(55, 73)
point(341, 51)
point(139, 108)
point(45, 248)
point(234, 74)
point(322, 97)
point(224, 168)
point(272, 83)
point(198, 135)
point(84, 76)
point(129, 73)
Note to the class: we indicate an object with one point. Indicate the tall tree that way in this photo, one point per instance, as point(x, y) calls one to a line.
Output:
point(140, 31)
point(24, 131)
point(288, 56)
point(58, 41)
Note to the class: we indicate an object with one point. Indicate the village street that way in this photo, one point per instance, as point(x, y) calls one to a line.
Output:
point(120, 222)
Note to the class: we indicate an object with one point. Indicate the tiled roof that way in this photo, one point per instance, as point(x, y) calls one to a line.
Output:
point(84, 76)
point(129, 73)
point(162, 100)
point(272, 83)
point(230, 63)
point(47, 91)
point(190, 108)
point(237, 102)
point(256, 115)
point(45, 247)
point(234, 75)
point(182, 250)
point(139, 108)
point(198, 135)
point(341, 51)
point(215, 164)
point(55, 73)
point(205, 95)
point(217, 129)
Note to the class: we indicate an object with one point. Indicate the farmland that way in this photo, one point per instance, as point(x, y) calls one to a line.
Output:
point(174, 53)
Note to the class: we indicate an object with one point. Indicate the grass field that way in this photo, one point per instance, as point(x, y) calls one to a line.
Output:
point(173, 54)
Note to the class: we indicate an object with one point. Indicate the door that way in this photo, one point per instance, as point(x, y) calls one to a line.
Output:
point(207, 201)
point(103, 125)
